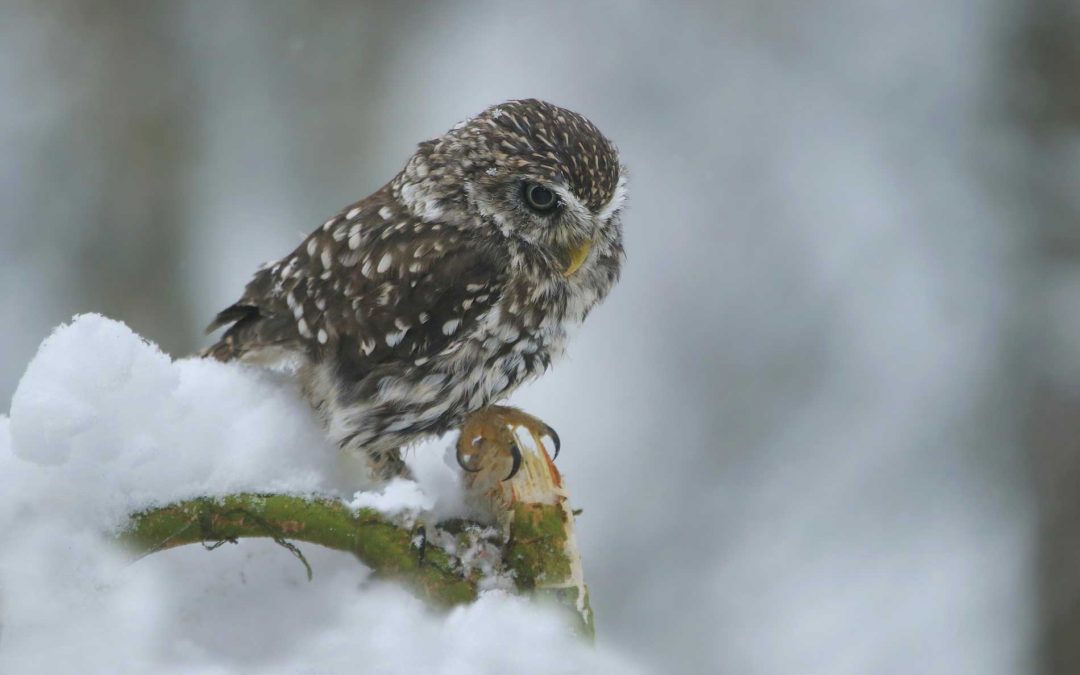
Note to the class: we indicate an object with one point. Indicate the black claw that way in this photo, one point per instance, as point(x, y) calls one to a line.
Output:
point(554, 439)
point(515, 453)
point(463, 464)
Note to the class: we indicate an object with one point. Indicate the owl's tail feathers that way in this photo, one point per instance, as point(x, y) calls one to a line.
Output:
point(233, 315)
point(223, 350)
point(229, 348)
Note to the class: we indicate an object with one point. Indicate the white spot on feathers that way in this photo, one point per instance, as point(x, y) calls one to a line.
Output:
point(322, 336)
point(384, 262)
point(385, 213)
point(302, 326)
point(451, 326)
point(432, 382)
point(395, 338)
point(353, 212)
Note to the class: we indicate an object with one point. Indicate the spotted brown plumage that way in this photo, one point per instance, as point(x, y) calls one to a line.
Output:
point(447, 288)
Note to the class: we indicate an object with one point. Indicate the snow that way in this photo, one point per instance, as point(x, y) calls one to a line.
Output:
point(395, 497)
point(103, 424)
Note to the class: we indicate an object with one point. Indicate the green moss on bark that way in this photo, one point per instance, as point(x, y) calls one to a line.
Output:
point(382, 545)
point(536, 550)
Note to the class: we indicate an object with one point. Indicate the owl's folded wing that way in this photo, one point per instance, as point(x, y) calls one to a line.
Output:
point(369, 295)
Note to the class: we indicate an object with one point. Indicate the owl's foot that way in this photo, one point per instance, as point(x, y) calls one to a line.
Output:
point(493, 431)
point(387, 465)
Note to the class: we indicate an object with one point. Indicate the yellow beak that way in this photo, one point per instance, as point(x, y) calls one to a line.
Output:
point(577, 257)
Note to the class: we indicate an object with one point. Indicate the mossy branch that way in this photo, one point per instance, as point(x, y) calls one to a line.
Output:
point(382, 545)
point(538, 549)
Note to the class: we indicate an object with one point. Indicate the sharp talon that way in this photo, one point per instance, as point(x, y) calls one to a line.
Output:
point(555, 440)
point(515, 452)
point(462, 463)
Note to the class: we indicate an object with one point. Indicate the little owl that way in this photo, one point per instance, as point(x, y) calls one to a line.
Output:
point(435, 297)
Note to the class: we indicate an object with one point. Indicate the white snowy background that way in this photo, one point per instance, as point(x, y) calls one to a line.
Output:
point(796, 428)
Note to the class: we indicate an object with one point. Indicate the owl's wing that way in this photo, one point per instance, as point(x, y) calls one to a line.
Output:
point(369, 294)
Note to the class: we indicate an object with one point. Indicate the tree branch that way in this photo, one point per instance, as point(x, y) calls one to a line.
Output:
point(380, 544)
point(538, 548)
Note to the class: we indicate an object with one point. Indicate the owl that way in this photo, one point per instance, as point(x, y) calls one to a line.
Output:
point(437, 296)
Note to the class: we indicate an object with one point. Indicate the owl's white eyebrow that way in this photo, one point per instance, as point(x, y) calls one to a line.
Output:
point(569, 199)
point(617, 199)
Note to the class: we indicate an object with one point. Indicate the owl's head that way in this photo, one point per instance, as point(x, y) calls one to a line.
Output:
point(542, 174)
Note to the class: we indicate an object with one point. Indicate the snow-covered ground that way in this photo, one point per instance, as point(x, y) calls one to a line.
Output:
point(104, 424)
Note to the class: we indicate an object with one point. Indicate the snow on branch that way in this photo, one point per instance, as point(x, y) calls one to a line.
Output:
point(532, 548)
point(108, 438)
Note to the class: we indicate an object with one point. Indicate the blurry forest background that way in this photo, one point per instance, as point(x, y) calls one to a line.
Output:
point(829, 422)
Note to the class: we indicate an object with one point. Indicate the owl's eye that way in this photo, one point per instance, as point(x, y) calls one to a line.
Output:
point(539, 198)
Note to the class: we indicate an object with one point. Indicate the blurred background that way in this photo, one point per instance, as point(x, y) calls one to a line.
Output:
point(829, 422)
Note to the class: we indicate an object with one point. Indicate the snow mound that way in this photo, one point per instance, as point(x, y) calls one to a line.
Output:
point(396, 496)
point(117, 426)
point(103, 424)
